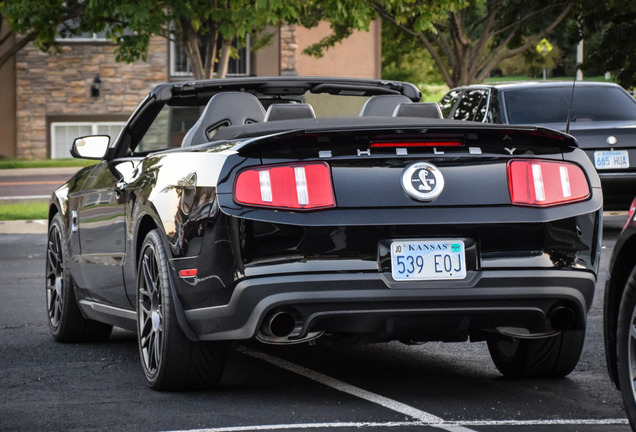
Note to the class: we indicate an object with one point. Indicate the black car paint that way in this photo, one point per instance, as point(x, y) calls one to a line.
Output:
point(621, 264)
point(330, 265)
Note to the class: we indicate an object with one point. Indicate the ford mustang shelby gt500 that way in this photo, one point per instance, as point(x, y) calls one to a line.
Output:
point(288, 210)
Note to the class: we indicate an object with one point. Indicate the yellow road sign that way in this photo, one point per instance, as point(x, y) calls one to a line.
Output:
point(544, 47)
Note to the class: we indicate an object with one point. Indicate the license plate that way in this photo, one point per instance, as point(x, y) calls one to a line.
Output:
point(611, 159)
point(428, 260)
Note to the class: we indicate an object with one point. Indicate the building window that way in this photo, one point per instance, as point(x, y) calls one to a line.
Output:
point(83, 37)
point(180, 65)
point(63, 134)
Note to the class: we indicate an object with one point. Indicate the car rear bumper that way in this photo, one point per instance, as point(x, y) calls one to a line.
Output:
point(365, 304)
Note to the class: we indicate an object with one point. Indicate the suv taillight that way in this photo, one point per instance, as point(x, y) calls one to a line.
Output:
point(299, 186)
point(546, 183)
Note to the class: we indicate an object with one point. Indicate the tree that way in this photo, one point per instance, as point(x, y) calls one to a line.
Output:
point(611, 24)
point(200, 25)
point(465, 39)
point(37, 21)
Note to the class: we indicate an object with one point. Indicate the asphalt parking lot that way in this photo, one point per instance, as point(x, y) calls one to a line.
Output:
point(394, 387)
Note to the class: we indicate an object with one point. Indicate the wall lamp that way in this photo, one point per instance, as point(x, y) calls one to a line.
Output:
point(96, 87)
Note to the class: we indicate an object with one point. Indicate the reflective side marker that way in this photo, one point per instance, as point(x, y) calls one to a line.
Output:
point(188, 273)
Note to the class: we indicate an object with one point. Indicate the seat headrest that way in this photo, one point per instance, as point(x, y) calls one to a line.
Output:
point(224, 109)
point(383, 105)
point(289, 111)
point(419, 109)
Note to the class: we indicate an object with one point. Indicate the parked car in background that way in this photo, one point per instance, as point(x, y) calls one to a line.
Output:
point(295, 210)
point(619, 315)
point(603, 120)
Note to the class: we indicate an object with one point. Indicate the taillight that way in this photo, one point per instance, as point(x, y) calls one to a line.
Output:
point(630, 214)
point(546, 183)
point(394, 144)
point(302, 186)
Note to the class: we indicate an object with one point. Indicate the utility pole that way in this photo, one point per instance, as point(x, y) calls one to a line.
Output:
point(579, 61)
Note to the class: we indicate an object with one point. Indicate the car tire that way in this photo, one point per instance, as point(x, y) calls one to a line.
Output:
point(65, 320)
point(170, 360)
point(551, 357)
point(626, 347)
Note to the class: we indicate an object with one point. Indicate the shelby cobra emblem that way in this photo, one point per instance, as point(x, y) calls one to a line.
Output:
point(422, 181)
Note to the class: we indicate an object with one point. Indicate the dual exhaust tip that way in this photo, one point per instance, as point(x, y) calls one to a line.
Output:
point(283, 325)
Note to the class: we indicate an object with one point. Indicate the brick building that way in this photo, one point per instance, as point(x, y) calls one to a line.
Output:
point(50, 99)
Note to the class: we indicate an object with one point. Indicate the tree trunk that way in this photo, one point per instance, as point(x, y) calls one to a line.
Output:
point(191, 44)
point(224, 58)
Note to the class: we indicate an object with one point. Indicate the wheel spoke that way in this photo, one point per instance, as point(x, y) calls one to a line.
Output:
point(54, 277)
point(148, 279)
point(149, 311)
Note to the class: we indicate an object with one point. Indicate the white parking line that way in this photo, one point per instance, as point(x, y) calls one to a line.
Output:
point(423, 419)
point(422, 416)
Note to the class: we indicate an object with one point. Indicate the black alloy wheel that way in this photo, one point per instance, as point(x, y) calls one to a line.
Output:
point(150, 313)
point(65, 320)
point(169, 359)
point(626, 348)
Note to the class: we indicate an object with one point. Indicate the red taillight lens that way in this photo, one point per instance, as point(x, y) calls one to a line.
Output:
point(302, 186)
point(392, 144)
point(546, 183)
point(630, 214)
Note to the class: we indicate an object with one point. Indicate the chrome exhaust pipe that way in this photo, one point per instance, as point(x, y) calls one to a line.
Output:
point(279, 324)
point(562, 318)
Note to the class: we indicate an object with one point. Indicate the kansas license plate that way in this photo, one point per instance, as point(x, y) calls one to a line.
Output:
point(428, 260)
point(611, 159)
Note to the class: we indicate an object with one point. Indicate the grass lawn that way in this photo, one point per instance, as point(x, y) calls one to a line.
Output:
point(44, 163)
point(24, 210)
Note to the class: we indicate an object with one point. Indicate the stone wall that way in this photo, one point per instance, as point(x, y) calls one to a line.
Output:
point(288, 50)
point(59, 86)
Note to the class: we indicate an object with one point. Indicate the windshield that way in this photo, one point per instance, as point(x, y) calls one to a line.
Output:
point(550, 105)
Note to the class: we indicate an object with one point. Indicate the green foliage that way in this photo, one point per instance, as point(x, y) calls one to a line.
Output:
point(531, 64)
point(24, 210)
point(405, 59)
point(44, 163)
point(465, 39)
point(612, 25)
point(131, 25)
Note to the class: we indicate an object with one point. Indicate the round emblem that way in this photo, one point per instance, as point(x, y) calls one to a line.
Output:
point(422, 181)
point(611, 140)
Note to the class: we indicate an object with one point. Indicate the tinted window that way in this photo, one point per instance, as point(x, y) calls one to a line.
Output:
point(448, 102)
point(472, 106)
point(550, 105)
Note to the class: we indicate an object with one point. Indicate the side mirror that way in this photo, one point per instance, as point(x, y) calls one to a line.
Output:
point(90, 147)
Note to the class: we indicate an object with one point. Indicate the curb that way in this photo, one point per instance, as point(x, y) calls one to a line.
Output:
point(39, 171)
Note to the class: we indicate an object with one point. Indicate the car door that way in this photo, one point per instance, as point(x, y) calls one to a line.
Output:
point(100, 220)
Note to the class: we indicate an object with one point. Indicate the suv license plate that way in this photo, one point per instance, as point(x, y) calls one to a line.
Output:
point(428, 260)
point(611, 159)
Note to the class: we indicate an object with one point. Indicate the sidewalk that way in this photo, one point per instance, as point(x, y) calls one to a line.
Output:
point(23, 227)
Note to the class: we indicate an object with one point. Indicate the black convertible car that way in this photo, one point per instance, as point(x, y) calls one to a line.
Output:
point(602, 118)
point(291, 210)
